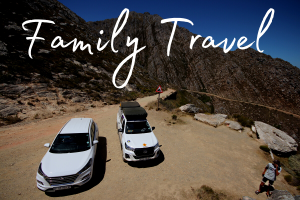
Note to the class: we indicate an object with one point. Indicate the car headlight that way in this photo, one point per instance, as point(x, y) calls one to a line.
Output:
point(156, 146)
point(86, 166)
point(128, 147)
point(40, 171)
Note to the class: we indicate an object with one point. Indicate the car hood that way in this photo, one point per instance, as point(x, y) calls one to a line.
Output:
point(62, 164)
point(138, 140)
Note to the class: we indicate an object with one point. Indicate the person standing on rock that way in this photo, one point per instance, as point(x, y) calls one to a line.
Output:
point(271, 171)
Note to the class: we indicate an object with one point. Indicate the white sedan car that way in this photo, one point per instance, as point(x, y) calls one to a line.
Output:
point(69, 161)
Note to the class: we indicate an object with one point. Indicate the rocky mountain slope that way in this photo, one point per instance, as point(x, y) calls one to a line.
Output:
point(58, 78)
point(245, 75)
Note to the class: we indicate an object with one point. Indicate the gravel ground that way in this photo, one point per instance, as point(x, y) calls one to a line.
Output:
point(193, 154)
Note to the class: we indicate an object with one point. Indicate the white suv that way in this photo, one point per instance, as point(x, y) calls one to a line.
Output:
point(137, 139)
point(69, 161)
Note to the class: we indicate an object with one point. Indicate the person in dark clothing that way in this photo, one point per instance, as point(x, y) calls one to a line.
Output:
point(271, 171)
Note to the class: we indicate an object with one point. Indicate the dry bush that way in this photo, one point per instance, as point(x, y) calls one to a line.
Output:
point(207, 193)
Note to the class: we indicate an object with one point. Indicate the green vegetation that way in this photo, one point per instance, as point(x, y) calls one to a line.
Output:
point(204, 98)
point(278, 126)
point(174, 117)
point(244, 120)
point(264, 148)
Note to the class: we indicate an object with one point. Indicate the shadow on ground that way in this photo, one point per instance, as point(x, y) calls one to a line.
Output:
point(98, 172)
point(148, 163)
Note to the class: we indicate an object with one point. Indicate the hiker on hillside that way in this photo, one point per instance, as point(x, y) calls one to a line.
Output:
point(271, 171)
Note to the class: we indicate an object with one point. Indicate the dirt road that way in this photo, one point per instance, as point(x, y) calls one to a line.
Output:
point(193, 154)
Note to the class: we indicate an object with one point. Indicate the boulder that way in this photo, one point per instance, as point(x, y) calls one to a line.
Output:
point(11, 110)
point(297, 197)
point(253, 129)
point(233, 125)
point(10, 89)
point(281, 195)
point(276, 139)
point(214, 120)
point(190, 108)
point(43, 51)
point(77, 99)
point(50, 95)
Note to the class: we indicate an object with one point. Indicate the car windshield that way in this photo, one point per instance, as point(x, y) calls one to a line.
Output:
point(138, 127)
point(70, 143)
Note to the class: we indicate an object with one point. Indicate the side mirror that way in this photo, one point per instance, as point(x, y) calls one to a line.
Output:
point(95, 142)
point(120, 130)
point(47, 145)
point(153, 128)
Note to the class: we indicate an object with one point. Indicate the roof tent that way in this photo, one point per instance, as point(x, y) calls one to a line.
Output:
point(137, 113)
point(129, 104)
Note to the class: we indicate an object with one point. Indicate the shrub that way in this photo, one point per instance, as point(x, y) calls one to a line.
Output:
point(278, 126)
point(204, 98)
point(206, 192)
point(288, 178)
point(207, 189)
point(264, 148)
point(174, 117)
point(298, 187)
point(244, 120)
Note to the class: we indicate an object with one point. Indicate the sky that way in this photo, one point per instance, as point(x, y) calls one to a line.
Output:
point(219, 19)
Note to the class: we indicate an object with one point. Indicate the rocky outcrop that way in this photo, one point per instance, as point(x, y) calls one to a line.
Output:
point(233, 125)
point(275, 139)
point(189, 108)
point(281, 195)
point(213, 120)
point(9, 110)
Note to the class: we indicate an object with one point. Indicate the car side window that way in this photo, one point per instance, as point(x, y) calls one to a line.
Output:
point(93, 131)
point(123, 124)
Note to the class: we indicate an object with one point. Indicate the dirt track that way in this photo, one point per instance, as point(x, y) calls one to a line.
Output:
point(193, 154)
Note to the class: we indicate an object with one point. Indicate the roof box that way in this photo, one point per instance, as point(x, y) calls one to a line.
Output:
point(137, 113)
point(129, 104)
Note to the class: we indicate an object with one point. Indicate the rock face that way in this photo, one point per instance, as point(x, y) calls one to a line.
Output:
point(189, 108)
point(233, 125)
point(241, 74)
point(281, 195)
point(214, 120)
point(275, 138)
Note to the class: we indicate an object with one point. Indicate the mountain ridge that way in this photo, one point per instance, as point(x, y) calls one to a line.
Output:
point(60, 75)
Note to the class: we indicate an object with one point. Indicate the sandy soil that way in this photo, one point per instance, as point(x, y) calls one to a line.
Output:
point(193, 154)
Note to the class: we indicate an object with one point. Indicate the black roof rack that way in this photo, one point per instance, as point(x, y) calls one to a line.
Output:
point(129, 104)
point(137, 113)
